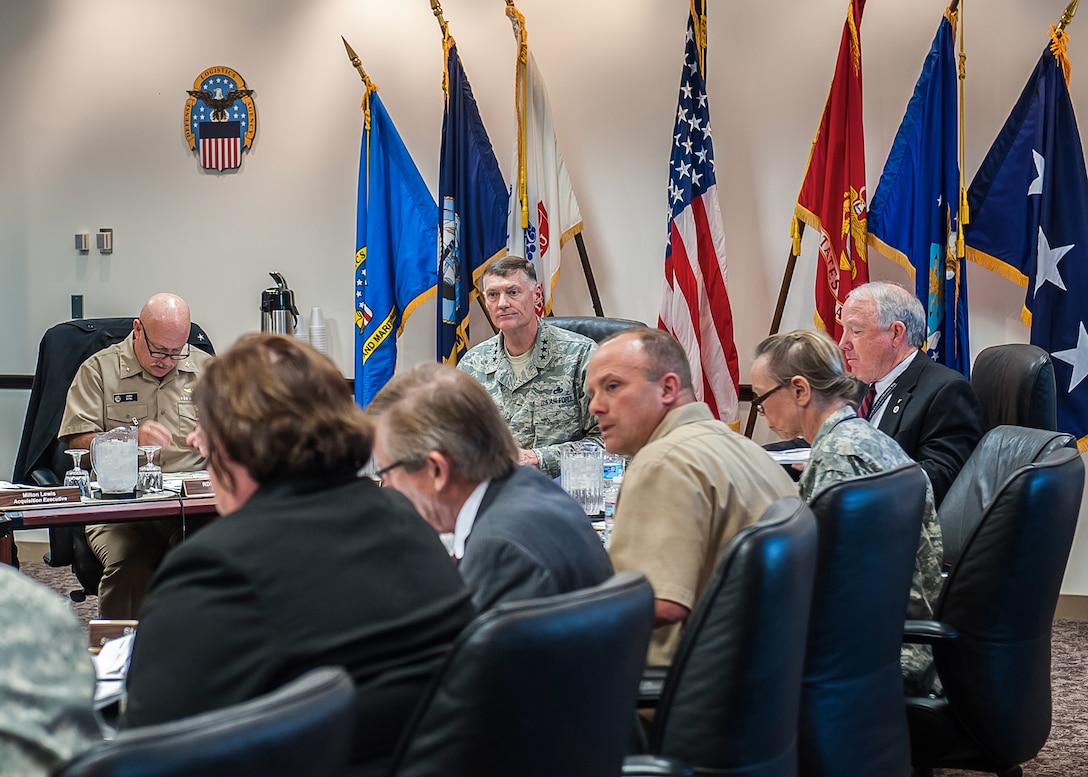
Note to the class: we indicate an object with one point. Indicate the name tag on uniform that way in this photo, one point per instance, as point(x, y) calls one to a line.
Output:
point(125, 397)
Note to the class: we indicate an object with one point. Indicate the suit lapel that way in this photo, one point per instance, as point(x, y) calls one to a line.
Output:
point(900, 398)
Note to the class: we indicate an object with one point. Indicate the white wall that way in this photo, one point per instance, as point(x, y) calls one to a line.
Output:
point(91, 136)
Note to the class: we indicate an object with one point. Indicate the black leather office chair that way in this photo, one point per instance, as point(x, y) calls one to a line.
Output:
point(538, 688)
point(730, 700)
point(41, 458)
point(1000, 453)
point(1015, 385)
point(852, 716)
point(304, 728)
point(999, 600)
point(595, 328)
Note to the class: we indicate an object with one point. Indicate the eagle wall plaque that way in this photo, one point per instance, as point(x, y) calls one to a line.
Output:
point(220, 118)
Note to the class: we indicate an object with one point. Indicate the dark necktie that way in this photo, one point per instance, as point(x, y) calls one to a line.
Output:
point(867, 402)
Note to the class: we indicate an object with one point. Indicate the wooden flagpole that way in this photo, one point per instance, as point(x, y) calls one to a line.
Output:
point(779, 310)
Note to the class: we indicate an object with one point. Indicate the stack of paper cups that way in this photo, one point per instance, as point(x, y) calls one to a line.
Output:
point(300, 330)
point(319, 336)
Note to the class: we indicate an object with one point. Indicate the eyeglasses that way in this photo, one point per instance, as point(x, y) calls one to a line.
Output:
point(381, 473)
point(757, 403)
point(158, 353)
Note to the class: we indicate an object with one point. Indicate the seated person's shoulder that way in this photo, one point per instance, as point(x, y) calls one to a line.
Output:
point(478, 356)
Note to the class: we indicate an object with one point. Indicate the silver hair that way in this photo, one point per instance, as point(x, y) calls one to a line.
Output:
point(894, 303)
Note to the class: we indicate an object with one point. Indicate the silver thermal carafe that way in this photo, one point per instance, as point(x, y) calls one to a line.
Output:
point(278, 311)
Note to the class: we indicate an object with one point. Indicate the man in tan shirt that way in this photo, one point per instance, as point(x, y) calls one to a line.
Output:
point(693, 482)
point(147, 379)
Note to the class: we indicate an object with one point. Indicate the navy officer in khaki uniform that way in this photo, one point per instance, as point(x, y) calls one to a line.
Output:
point(147, 379)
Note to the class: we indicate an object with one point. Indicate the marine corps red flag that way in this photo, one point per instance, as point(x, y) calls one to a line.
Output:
point(832, 198)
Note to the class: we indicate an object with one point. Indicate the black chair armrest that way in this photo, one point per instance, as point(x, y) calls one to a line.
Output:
point(649, 687)
point(654, 766)
point(919, 632)
point(44, 477)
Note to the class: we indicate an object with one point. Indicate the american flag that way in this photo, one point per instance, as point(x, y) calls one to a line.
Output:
point(694, 302)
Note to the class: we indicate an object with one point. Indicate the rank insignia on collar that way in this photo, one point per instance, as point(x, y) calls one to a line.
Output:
point(220, 118)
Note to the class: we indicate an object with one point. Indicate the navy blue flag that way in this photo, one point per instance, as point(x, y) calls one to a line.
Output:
point(914, 212)
point(396, 235)
point(473, 199)
point(1029, 206)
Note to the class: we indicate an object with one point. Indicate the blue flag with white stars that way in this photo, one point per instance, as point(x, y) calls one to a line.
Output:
point(913, 214)
point(396, 236)
point(1029, 206)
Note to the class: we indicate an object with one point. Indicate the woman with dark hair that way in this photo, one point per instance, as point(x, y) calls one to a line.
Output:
point(309, 565)
point(802, 387)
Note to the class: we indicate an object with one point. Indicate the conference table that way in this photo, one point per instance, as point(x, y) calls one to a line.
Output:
point(90, 511)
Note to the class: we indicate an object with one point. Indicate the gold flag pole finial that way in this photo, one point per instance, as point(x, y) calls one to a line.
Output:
point(356, 63)
point(1068, 14)
point(436, 7)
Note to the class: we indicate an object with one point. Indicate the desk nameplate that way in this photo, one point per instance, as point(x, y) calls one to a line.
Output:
point(193, 487)
point(22, 498)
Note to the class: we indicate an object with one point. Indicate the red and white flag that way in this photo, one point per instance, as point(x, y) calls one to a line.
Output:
point(694, 302)
point(544, 212)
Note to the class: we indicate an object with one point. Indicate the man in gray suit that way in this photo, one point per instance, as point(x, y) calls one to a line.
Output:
point(441, 441)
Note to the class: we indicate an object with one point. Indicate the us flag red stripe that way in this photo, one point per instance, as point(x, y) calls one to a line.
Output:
point(695, 303)
point(220, 145)
point(220, 153)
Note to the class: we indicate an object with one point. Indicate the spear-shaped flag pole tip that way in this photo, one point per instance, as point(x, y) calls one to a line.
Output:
point(356, 62)
point(1068, 14)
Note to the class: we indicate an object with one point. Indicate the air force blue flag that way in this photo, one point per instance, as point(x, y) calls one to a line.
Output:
point(473, 199)
point(1029, 205)
point(396, 235)
point(913, 214)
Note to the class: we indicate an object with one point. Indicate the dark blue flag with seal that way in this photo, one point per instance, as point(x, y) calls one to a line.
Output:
point(473, 199)
point(396, 235)
point(914, 211)
point(1029, 223)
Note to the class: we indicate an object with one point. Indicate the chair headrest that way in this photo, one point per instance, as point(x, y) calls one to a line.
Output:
point(595, 329)
point(1001, 452)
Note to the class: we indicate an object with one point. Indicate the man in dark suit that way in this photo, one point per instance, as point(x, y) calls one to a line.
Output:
point(929, 409)
point(441, 441)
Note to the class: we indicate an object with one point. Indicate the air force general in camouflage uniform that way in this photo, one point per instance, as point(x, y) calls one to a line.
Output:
point(546, 405)
point(535, 372)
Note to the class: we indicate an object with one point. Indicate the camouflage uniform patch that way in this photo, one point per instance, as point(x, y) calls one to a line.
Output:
point(847, 447)
point(547, 407)
point(46, 680)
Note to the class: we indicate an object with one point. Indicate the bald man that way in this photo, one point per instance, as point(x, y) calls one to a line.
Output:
point(147, 379)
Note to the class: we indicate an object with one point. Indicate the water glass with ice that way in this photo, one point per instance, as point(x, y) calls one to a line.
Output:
point(582, 471)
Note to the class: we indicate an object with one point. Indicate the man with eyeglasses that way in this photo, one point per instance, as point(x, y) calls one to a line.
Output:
point(147, 381)
point(535, 372)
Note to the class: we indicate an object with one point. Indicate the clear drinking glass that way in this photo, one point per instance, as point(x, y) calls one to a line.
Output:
point(150, 475)
point(77, 476)
point(582, 475)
